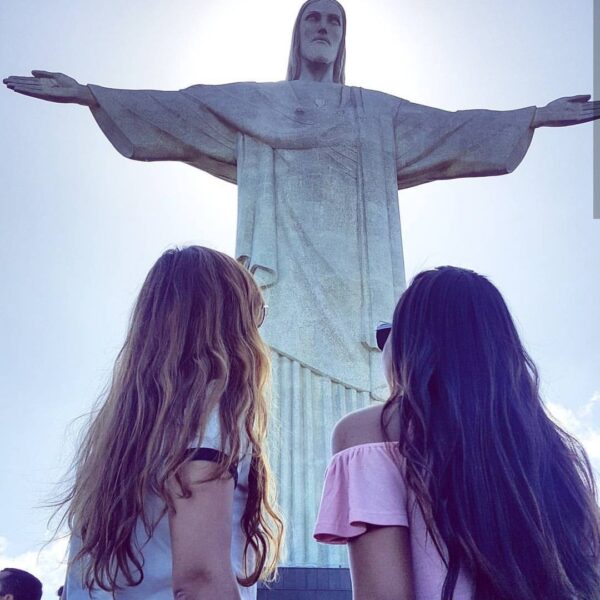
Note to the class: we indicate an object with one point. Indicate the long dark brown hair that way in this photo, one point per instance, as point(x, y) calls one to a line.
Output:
point(507, 495)
point(295, 60)
point(192, 345)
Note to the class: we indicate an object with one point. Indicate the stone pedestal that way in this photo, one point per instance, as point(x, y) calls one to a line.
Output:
point(307, 405)
point(308, 583)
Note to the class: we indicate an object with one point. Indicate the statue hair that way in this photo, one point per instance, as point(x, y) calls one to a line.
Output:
point(295, 61)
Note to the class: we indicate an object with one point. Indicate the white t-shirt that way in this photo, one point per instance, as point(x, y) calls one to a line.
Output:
point(156, 551)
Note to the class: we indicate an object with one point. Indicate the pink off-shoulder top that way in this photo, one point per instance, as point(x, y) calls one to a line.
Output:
point(364, 485)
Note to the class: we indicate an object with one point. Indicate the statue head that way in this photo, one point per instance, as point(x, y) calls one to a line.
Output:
point(319, 36)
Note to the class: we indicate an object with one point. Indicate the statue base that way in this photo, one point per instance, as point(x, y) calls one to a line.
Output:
point(308, 583)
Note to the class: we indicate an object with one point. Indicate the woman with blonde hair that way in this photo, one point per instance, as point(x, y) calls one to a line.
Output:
point(172, 493)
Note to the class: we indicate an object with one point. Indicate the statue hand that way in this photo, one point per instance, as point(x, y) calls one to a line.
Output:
point(570, 110)
point(54, 87)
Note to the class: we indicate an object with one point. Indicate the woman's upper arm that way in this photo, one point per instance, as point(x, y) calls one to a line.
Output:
point(380, 558)
point(381, 564)
point(201, 527)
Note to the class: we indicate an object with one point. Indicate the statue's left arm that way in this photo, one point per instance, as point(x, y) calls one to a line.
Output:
point(433, 144)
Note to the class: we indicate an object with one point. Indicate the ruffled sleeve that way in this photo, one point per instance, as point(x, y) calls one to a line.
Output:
point(363, 486)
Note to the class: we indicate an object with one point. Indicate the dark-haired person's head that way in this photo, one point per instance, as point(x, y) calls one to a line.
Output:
point(504, 490)
point(16, 584)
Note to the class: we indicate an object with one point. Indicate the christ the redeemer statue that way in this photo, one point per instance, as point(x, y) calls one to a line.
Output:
point(318, 165)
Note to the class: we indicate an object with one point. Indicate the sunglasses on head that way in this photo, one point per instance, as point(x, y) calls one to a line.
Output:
point(382, 332)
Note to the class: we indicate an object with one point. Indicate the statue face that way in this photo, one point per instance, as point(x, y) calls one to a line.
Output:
point(321, 32)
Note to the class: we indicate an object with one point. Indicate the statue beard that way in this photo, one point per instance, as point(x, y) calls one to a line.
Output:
point(319, 59)
point(318, 55)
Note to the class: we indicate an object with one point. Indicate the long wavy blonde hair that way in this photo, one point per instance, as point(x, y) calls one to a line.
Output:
point(192, 344)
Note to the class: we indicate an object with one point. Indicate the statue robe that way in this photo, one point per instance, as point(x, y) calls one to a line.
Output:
point(318, 167)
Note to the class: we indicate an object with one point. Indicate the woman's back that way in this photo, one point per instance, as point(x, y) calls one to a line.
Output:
point(505, 496)
point(365, 488)
point(156, 549)
point(145, 497)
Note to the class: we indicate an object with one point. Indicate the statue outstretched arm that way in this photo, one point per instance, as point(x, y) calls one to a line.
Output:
point(53, 87)
point(570, 110)
point(147, 125)
point(434, 144)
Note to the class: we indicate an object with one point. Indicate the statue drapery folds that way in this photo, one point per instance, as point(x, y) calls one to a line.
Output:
point(318, 167)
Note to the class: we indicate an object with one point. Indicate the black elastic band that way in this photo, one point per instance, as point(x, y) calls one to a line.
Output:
point(215, 456)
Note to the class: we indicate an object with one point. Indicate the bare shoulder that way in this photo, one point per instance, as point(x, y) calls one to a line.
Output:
point(361, 427)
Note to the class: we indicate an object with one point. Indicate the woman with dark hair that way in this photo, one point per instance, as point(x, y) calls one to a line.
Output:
point(460, 486)
point(172, 493)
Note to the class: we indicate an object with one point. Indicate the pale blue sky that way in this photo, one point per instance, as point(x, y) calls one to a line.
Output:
point(80, 225)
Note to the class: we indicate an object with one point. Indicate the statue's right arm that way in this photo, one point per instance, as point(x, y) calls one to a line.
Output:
point(146, 125)
point(54, 87)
